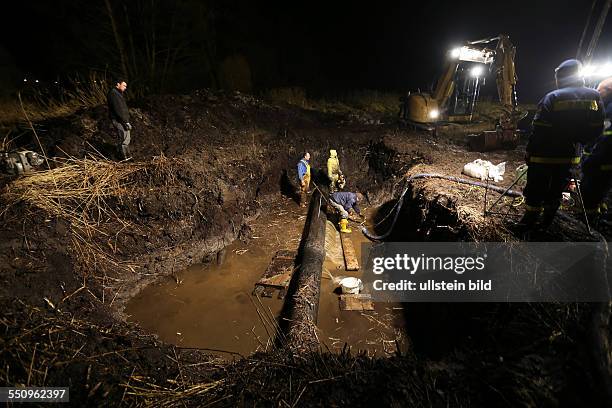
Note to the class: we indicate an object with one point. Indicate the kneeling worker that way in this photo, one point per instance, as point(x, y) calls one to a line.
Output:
point(344, 201)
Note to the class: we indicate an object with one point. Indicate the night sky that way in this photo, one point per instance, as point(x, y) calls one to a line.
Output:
point(327, 47)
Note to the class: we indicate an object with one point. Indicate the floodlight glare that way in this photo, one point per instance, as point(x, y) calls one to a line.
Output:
point(455, 53)
point(434, 113)
point(588, 70)
point(477, 71)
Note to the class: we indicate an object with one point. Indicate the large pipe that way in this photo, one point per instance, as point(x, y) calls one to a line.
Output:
point(298, 318)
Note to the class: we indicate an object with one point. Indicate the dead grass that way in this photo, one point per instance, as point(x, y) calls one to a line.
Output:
point(41, 344)
point(85, 192)
point(354, 102)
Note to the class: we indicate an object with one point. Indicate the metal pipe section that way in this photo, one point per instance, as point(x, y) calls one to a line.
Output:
point(299, 314)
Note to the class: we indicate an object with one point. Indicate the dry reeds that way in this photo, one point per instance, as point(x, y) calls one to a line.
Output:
point(150, 394)
point(76, 190)
point(40, 346)
point(86, 193)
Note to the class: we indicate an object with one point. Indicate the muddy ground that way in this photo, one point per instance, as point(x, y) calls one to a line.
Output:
point(205, 167)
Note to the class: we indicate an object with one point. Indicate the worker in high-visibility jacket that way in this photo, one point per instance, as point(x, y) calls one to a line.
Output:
point(336, 178)
point(566, 118)
point(303, 172)
point(597, 167)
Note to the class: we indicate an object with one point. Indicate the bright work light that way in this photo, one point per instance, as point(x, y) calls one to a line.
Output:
point(477, 71)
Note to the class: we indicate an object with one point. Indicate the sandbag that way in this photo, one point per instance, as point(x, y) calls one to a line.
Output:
point(485, 170)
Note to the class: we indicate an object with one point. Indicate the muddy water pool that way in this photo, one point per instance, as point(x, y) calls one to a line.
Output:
point(211, 306)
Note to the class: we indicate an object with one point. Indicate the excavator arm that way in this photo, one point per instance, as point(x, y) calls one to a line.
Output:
point(446, 83)
point(505, 72)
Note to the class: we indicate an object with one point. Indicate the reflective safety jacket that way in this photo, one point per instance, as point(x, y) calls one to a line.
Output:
point(601, 154)
point(566, 118)
point(333, 167)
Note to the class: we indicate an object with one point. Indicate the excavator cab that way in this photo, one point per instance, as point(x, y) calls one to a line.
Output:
point(457, 90)
point(468, 80)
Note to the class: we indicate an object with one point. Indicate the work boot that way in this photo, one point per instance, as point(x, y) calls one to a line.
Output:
point(548, 216)
point(344, 225)
point(123, 152)
point(303, 197)
point(547, 219)
point(529, 221)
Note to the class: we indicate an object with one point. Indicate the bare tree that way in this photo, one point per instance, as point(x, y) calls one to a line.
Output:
point(118, 40)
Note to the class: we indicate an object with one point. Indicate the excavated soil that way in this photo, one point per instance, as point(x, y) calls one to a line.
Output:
point(212, 165)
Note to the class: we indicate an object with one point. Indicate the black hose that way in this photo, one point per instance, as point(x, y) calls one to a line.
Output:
point(502, 190)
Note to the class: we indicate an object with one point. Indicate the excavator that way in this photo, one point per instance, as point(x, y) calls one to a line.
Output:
point(457, 90)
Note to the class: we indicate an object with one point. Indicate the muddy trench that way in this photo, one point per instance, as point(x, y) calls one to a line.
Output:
point(206, 204)
point(209, 305)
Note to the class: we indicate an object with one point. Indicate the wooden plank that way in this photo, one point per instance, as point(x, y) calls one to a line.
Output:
point(268, 292)
point(257, 291)
point(358, 302)
point(263, 291)
point(277, 275)
point(350, 260)
point(280, 281)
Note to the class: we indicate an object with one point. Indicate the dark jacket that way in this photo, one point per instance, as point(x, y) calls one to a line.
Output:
point(346, 199)
point(117, 107)
point(566, 118)
point(601, 153)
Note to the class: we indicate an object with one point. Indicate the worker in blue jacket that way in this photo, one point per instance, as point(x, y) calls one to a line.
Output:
point(303, 173)
point(597, 167)
point(345, 201)
point(566, 118)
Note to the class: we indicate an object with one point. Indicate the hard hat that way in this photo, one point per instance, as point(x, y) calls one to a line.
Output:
point(333, 153)
point(569, 71)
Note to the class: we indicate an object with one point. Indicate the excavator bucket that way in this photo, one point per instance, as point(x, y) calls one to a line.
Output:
point(506, 139)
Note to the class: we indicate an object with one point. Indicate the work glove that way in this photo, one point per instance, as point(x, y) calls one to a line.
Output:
point(127, 126)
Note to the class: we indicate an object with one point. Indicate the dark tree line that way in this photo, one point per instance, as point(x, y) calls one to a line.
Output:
point(162, 43)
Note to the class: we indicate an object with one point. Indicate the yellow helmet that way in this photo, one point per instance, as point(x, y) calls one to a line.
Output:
point(333, 153)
